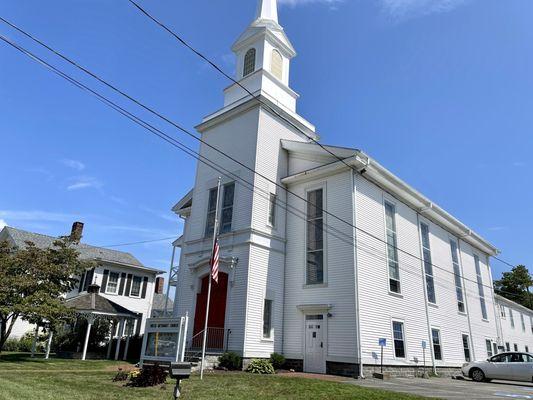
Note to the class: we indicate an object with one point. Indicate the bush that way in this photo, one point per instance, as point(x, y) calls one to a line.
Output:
point(149, 376)
point(260, 366)
point(231, 361)
point(121, 376)
point(11, 345)
point(277, 360)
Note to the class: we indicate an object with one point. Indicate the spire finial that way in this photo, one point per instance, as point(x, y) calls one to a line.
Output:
point(267, 10)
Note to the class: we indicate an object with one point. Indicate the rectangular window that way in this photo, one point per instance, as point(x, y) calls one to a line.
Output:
point(437, 348)
point(527, 349)
point(531, 324)
point(112, 283)
point(495, 348)
point(267, 319)
point(428, 265)
point(392, 248)
point(226, 213)
point(272, 209)
point(399, 340)
point(511, 317)
point(315, 238)
point(515, 347)
point(480, 288)
point(136, 286)
point(507, 346)
point(488, 343)
point(523, 322)
point(227, 208)
point(502, 311)
point(466, 347)
point(457, 275)
point(211, 212)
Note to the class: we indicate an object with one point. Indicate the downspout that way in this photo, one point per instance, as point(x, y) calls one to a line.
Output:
point(496, 313)
point(426, 307)
point(466, 301)
point(356, 276)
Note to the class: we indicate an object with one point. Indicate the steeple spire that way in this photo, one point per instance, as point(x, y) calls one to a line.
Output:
point(267, 10)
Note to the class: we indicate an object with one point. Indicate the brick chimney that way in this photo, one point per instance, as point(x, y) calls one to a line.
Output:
point(159, 285)
point(77, 231)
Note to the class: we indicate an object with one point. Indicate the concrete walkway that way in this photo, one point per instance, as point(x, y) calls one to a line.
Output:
point(449, 389)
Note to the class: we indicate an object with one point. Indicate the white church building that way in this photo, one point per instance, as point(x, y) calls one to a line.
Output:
point(330, 252)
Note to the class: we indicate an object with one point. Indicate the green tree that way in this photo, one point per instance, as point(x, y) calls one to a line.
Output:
point(515, 285)
point(33, 282)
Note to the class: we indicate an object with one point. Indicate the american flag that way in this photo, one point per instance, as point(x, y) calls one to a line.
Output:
point(214, 261)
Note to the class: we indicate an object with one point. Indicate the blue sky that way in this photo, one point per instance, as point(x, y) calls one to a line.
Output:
point(439, 91)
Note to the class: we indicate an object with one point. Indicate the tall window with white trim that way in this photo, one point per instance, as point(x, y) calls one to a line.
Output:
point(315, 237)
point(437, 347)
point(272, 209)
point(523, 322)
point(428, 264)
point(399, 339)
point(511, 317)
point(480, 288)
point(457, 276)
point(466, 347)
point(488, 343)
point(276, 66)
point(267, 319)
point(392, 248)
point(226, 218)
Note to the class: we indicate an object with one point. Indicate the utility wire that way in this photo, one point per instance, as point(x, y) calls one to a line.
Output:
point(172, 141)
point(135, 243)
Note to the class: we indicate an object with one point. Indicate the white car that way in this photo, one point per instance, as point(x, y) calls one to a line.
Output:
point(512, 366)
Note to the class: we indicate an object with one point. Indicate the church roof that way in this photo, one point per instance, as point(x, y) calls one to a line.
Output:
point(87, 252)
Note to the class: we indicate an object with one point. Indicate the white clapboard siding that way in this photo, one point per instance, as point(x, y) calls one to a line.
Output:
point(515, 335)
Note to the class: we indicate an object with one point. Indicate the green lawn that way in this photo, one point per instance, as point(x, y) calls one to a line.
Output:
point(24, 378)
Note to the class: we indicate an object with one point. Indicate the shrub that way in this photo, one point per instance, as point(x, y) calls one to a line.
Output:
point(11, 345)
point(260, 366)
point(121, 376)
point(149, 376)
point(231, 361)
point(277, 360)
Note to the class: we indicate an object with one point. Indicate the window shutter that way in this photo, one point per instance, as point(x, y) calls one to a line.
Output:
point(104, 280)
point(145, 284)
point(122, 281)
point(82, 281)
point(88, 279)
point(128, 285)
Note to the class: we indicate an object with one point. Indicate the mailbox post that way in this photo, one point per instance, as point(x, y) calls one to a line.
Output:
point(179, 371)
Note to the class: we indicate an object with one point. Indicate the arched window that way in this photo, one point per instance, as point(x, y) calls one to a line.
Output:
point(249, 62)
point(276, 66)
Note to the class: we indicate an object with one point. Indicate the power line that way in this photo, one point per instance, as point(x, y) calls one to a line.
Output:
point(135, 243)
point(184, 148)
point(256, 97)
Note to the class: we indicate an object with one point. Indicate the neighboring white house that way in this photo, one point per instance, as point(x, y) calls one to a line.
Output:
point(515, 324)
point(122, 278)
point(372, 259)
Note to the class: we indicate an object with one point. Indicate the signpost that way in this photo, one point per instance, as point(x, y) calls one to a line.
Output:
point(382, 344)
point(424, 345)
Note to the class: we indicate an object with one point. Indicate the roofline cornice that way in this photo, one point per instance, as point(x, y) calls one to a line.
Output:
point(389, 182)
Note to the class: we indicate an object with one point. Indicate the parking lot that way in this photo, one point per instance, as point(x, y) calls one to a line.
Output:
point(449, 389)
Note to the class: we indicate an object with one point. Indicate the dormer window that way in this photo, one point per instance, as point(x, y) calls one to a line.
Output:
point(249, 62)
point(276, 66)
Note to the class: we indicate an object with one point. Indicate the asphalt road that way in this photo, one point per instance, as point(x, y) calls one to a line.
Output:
point(450, 389)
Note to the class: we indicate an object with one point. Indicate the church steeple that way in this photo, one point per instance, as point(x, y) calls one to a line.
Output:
point(264, 53)
point(267, 10)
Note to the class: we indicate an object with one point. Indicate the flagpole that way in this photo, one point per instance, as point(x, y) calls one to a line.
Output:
point(210, 277)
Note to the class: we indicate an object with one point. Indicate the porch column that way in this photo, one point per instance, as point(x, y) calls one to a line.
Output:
point(119, 338)
point(111, 334)
point(49, 345)
point(129, 327)
point(90, 321)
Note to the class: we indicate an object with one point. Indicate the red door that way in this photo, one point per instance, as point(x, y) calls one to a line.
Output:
point(217, 312)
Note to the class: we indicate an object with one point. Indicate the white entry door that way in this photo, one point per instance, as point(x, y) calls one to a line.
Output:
point(315, 346)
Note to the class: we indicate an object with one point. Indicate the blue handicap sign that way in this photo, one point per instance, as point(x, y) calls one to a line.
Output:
point(383, 342)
